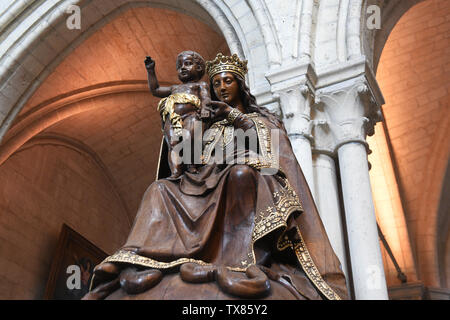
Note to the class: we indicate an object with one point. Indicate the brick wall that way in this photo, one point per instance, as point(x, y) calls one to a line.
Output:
point(414, 75)
point(41, 188)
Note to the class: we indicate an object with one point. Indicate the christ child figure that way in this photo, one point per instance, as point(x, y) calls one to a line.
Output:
point(182, 105)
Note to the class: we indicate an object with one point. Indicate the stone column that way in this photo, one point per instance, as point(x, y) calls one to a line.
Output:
point(327, 189)
point(352, 112)
point(292, 88)
point(295, 104)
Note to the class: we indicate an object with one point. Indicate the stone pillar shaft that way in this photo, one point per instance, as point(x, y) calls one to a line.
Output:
point(347, 113)
point(367, 264)
point(327, 200)
point(302, 150)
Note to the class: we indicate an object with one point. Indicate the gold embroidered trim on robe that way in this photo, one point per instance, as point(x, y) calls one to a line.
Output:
point(166, 108)
point(223, 131)
point(286, 202)
point(125, 256)
point(307, 263)
point(212, 137)
point(276, 217)
point(303, 256)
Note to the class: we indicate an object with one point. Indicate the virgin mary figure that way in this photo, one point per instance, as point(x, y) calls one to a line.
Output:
point(243, 225)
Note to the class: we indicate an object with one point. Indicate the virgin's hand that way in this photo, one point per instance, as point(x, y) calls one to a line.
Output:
point(220, 110)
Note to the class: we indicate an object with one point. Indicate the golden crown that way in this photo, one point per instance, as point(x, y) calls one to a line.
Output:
point(226, 64)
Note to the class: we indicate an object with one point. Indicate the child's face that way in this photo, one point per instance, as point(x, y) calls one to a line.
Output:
point(188, 69)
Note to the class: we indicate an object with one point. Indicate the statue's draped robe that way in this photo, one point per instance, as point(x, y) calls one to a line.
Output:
point(198, 219)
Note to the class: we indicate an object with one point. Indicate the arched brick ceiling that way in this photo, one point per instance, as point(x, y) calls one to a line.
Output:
point(124, 128)
point(414, 75)
point(117, 51)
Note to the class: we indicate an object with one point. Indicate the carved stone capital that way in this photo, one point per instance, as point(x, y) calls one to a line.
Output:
point(347, 111)
point(351, 130)
point(293, 87)
point(295, 104)
point(329, 137)
point(324, 140)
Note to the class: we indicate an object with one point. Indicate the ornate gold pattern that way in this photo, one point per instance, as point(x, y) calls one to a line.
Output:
point(223, 130)
point(269, 160)
point(283, 242)
point(285, 203)
point(233, 115)
point(226, 64)
point(125, 256)
point(303, 256)
point(228, 135)
point(212, 137)
point(250, 258)
point(166, 108)
point(307, 263)
point(257, 163)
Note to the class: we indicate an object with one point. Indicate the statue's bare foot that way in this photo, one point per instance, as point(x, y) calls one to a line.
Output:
point(195, 273)
point(106, 271)
point(134, 282)
point(102, 291)
point(254, 284)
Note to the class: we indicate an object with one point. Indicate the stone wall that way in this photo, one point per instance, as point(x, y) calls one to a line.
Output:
point(42, 187)
point(414, 75)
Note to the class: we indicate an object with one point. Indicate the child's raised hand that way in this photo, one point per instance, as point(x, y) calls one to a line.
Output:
point(149, 63)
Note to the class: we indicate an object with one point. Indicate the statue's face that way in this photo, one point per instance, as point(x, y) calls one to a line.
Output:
point(226, 88)
point(188, 69)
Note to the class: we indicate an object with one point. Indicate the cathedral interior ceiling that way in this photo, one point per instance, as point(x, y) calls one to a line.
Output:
point(121, 123)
